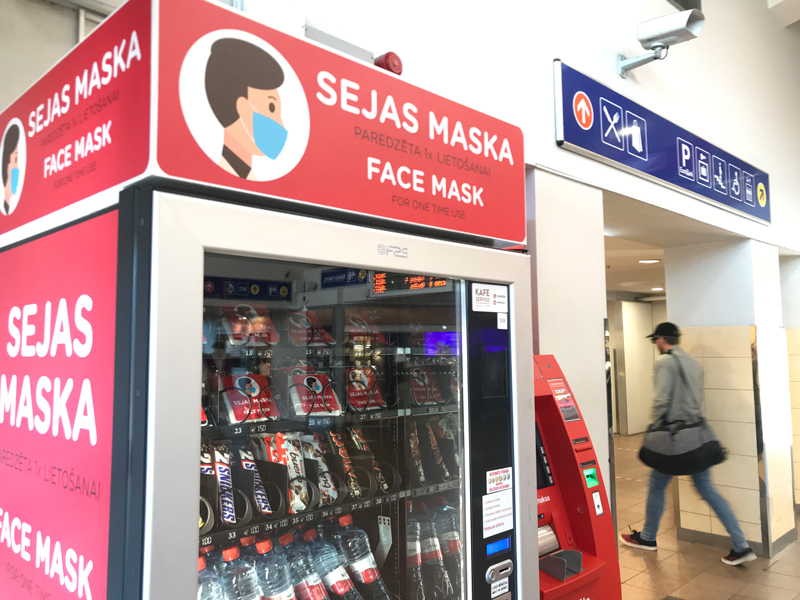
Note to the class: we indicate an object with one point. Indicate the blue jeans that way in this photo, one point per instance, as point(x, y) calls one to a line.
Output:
point(706, 489)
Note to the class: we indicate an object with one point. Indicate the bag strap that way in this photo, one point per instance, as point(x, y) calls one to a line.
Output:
point(686, 383)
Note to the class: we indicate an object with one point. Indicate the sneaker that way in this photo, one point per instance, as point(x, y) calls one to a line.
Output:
point(738, 558)
point(634, 540)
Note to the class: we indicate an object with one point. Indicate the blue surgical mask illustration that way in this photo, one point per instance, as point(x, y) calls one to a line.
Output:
point(269, 135)
point(14, 180)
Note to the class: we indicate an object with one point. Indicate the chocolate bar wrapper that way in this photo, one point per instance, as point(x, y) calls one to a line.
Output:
point(222, 469)
point(360, 443)
point(338, 447)
point(290, 453)
point(437, 453)
point(416, 455)
point(266, 448)
point(445, 429)
point(327, 486)
point(259, 494)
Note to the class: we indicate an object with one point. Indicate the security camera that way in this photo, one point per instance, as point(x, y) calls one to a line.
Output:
point(659, 34)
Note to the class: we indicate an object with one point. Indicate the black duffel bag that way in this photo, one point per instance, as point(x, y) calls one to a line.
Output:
point(681, 448)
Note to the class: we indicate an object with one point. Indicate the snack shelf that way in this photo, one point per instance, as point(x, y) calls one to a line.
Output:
point(322, 423)
point(229, 536)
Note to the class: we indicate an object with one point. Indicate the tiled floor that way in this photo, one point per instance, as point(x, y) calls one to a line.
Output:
point(680, 570)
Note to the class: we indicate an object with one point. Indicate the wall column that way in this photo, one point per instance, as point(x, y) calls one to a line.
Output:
point(565, 234)
point(726, 297)
point(790, 293)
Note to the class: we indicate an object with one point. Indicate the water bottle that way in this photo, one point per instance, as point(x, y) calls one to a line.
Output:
point(446, 521)
point(208, 585)
point(214, 561)
point(274, 574)
point(326, 562)
point(434, 575)
point(416, 589)
point(249, 553)
point(354, 544)
point(306, 580)
point(239, 579)
point(327, 531)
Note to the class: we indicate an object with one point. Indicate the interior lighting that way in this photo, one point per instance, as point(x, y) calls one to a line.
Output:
point(649, 261)
point(657, 289)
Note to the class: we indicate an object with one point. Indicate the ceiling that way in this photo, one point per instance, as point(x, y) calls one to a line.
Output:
point(624, 273)
point(639, 231)
point(641, 222)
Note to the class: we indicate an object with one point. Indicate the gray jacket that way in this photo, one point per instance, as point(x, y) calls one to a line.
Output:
point(671, 391)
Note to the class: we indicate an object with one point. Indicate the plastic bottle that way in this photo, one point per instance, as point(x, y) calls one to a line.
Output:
point(437, 582)
point(327, 531)
point(354, 544)
point(307, 582)
point(446, 520)
point(416, 588)
point(214, 561)
point(274, 574)
point(208, 585)
point(326, 562)
point(249, 553)
point(239, 579)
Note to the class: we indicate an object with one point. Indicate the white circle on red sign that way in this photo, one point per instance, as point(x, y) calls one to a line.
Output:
point(13, 159)
point(244, 105)
point(583, 110)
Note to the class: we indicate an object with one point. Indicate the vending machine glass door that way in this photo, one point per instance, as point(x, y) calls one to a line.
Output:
point(332, 378)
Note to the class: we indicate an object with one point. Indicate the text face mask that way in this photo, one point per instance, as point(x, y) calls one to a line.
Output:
point(14, 180)
point(269, 135)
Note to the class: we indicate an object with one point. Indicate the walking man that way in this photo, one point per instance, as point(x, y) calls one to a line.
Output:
point(678, 387)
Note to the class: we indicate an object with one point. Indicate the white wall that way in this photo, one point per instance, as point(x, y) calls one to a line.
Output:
point(637, 323)
point(710, 284)
point(790, 291)
point(736, 85)
point(34, 35)
point(570, 279)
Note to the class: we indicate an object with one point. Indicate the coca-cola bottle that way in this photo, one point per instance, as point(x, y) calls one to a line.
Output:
point(416, 589)
point(434, 575)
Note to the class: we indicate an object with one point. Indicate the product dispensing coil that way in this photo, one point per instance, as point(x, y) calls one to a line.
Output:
point(577, 544)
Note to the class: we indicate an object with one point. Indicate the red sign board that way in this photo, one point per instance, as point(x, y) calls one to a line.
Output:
point(244, 106)
point(58, 312)
point(84, 126)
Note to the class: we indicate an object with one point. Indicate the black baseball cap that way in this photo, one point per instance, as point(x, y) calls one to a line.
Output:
point(665, 330)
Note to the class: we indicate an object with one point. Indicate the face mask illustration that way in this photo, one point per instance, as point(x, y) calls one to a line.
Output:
point(269, 135)
point(14, 180)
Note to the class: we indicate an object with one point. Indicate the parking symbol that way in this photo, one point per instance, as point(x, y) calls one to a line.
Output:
point(611, 124)
point(749, 189)
point(703, 166)
point(636, 130)
point(685, 159)
point(720, 175)
point(735, 182)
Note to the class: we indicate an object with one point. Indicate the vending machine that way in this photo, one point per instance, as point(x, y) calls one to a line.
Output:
point(289, 356)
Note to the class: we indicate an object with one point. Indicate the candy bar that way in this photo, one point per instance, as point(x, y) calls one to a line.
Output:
point(290, 453)
point(260, 495)
point(327, 487)
point(360, 443)
point(222, 469)
point(338, 447)
point(437, 454)
point(416, 455)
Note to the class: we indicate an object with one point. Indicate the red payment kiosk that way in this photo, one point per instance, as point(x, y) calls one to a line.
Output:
point(578, 557)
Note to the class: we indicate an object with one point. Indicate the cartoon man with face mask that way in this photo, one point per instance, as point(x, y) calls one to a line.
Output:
point(10, 170)
point(242, 82)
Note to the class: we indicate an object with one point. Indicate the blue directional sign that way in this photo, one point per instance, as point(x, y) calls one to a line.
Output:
point(595, 121)
point(343, 277)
